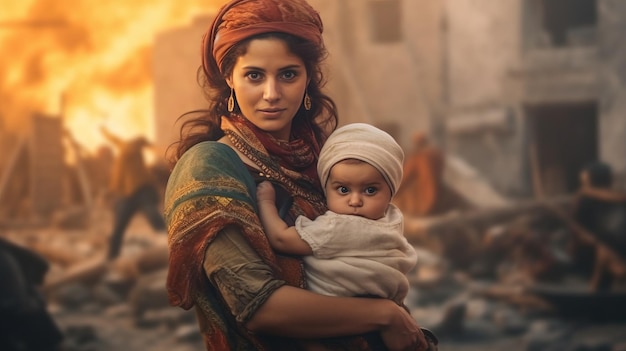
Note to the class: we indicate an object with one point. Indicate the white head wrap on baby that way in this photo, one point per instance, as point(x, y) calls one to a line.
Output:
point(366, 143)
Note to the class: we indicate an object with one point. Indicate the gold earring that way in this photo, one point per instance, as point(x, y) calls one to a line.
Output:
point(307, 101)
point(231, 101)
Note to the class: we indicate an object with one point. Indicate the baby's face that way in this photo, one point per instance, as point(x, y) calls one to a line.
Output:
point(357, 188)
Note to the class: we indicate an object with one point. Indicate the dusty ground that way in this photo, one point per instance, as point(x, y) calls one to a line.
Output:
point(92, 325)
point(119, 333)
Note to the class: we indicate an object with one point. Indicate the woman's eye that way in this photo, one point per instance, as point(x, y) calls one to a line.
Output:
point(370, 190)
point(254, 75)
point(342, 190)
point(288, 75)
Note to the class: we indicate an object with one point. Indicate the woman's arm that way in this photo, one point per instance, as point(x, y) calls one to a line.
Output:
point(296, 312)
point(265, 304)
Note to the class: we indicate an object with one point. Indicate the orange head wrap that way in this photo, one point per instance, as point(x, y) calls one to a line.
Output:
point(240, 19)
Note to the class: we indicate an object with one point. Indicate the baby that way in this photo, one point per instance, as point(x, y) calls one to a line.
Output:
point(357, 248)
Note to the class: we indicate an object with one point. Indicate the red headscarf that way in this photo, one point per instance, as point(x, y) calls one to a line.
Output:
point(240, 19)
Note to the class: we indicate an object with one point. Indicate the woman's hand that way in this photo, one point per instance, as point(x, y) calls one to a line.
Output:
point(403, 333)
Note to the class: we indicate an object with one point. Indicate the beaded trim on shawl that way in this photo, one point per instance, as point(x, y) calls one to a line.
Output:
point(248, 144)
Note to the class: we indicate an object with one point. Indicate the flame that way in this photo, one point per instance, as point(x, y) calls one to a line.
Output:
point(87, 61)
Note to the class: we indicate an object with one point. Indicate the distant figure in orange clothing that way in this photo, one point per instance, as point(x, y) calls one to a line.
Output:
point(422, 185)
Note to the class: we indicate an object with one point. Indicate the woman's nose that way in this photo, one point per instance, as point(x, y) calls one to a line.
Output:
point(271, 91)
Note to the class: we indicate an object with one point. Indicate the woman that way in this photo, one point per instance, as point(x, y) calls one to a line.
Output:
point(266, 121)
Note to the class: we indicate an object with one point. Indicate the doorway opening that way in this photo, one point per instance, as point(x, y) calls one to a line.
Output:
point(563, 140)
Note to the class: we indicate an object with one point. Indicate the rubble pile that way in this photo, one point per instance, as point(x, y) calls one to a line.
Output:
point(485, 280)
point(506, 278)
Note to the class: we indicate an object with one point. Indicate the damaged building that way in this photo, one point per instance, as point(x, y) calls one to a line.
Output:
point(541, 83)
point(524, 92)
point(33, 168)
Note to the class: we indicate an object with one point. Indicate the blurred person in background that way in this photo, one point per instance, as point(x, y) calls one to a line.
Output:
point(421, 190)
point(134, 188)
point(601, 210)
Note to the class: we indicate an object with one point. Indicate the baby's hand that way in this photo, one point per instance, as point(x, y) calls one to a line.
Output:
point(265, 192)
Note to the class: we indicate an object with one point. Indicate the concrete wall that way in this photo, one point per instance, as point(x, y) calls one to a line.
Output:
point(612, 53)
point(495, 62)
point(176, 91)
point(387, 84)
point(483, 43)
point(484, 125)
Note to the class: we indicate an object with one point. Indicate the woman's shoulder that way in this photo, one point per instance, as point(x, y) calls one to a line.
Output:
point(213, 148)
point(207, 159)
point(206, 165)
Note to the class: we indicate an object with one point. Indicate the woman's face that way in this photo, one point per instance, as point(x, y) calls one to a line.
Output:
point(269, 83)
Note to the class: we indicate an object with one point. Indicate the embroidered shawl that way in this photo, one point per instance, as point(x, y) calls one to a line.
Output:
point(211, 188)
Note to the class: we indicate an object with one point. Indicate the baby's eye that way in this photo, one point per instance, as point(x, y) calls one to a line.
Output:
point(370, 190)
point(342, 190)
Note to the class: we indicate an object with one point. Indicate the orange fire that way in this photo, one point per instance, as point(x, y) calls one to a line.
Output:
point(87, 61)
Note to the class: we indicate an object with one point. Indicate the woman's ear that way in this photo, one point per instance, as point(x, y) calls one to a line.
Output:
point(229, 81)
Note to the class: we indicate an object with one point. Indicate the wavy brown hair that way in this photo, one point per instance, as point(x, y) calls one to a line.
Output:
point(204, 125)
